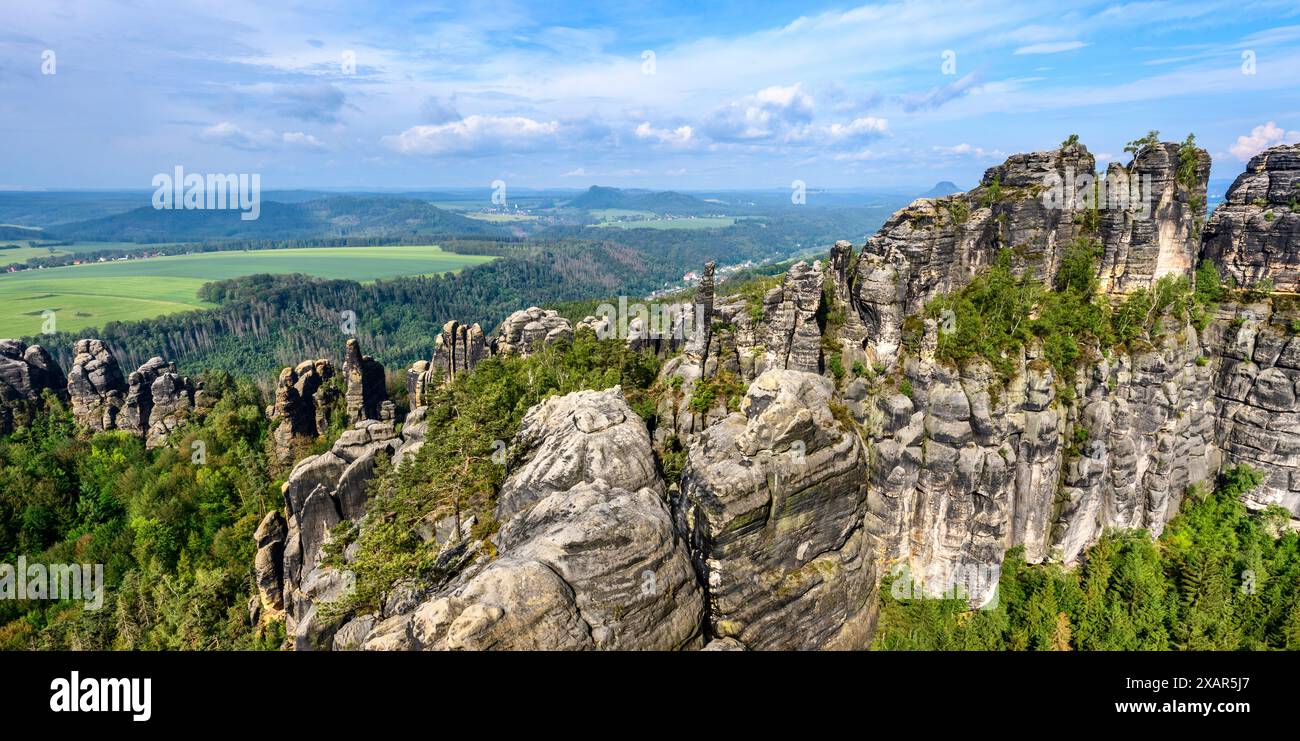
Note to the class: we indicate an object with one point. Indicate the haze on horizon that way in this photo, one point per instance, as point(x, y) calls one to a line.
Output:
point(667, 95)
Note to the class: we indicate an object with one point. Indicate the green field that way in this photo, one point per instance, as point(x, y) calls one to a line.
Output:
point(92, 295)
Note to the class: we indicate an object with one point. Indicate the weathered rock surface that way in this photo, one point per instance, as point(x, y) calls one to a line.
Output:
point(96, 387)
point(1255, 234)
point(590, 557)
point(25, 373)
point(366, 391)
point(1150, 216)
point(524, 331)
point(794, 336)
point(303, 397)
point(776, 496)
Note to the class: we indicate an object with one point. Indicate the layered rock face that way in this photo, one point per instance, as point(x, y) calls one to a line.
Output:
point(794, 337)
point(1150, 215)
point(25, 373)
point(524, 331)
point(1255, 235)
point(776, 496)
point(589, 556)
point(965, 467)
point(366, 392)
point(1257, 385)
point(96, 387)
point(303, 396)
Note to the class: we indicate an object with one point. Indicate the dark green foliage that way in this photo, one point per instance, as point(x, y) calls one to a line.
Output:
point(998, 313)
point(175, 536)
point(1218, 578)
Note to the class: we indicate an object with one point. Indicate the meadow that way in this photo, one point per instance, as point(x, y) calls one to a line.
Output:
point(83, 296)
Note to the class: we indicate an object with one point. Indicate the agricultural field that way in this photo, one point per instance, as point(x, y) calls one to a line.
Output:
point(92, 295)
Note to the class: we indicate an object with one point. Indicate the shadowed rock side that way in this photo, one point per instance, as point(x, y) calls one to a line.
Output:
point(775, 496)
point(366, 395)
point(26, 372)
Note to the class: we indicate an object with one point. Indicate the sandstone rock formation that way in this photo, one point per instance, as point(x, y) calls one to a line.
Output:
point(366, 392)
point(321, 491)
point(776, 496)
point(793, 334)
point(25, 373)
point(589, 555)
point(809, 484)
point(1151, 215)
point(1255, 234)
point(524, 331)
point(96, 387)
point(303, 397)
point(150, 403)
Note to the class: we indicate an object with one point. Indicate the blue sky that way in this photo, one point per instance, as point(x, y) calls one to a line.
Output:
point(546, 94)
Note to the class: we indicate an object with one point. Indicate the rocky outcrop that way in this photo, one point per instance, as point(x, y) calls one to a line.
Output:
point(790, 312)
point(967, 465)
point(366, 392)
point(1151, 212)
point(96, 387)
point(150, 403)
point(524, 331)
point(158, 400)
point(589, 555)
point(1255, 235)
point(461, 347)
point(268, 568)
point(303, 397)
point(1256, 393)
point(26, 372)
point(322, 491)
point(776, 496)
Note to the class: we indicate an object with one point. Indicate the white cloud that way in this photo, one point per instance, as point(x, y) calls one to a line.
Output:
point(1051, 47)
point(867, 127)
point(301, 139)
point(680, 136)
point(475, 134)
point(966, 150)
point(777, 113)
point(1260, 138)
point(232, 135)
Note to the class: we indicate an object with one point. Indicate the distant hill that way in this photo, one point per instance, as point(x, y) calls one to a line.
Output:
point(665, 202)
point(330, 217)
point(941, 189)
